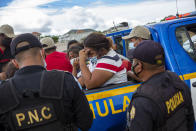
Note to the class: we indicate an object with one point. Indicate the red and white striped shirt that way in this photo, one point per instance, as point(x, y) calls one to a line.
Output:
point(112, 62)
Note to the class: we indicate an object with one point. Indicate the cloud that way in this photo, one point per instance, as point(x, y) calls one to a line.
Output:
point(25, 16)
point(143, 12)
point(28, 16)
point(44, 28)
point(76, 18)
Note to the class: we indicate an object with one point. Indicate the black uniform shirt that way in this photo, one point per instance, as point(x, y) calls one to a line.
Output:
point(75, 102)
point(144, 115)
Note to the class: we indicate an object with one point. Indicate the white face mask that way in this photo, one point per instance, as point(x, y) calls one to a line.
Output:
point(45, 65)
point(131, 45)
point(72, 61)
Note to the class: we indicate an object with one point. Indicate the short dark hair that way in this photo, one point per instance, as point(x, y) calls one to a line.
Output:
point(97, 41)
point(75, 49)
point(26, 53)
point(71, 42)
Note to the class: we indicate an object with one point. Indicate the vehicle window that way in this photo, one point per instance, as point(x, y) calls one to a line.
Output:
point(118, 41)
point(129, 45)
point(186, 36)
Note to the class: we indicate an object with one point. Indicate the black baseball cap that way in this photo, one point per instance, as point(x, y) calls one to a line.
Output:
point(27, 37)
point(150, 52)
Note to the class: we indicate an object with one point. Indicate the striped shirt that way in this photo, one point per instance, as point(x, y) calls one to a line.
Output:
point(112, 62)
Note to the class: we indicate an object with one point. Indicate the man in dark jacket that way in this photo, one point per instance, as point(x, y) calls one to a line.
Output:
point(39, 100)
point(163, 101)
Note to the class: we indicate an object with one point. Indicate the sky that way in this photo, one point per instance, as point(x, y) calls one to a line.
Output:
point(56, 17)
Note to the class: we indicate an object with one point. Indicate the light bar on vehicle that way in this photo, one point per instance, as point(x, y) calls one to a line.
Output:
point(182, 15)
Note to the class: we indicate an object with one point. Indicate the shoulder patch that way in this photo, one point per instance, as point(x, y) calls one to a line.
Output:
point(132, 113)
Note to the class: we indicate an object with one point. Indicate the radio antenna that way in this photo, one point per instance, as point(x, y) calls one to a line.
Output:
point(195, 4)
point(177, 14)
point(114, 26)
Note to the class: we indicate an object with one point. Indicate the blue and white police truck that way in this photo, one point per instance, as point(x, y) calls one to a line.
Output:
point(178, 38)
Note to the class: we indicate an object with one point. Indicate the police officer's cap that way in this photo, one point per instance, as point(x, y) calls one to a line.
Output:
point(150, 52)
point(27, 37)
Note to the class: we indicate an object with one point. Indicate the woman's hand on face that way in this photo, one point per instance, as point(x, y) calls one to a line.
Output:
point(83, 54)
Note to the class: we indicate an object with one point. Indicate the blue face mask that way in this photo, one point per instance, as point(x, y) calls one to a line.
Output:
point(93, 60)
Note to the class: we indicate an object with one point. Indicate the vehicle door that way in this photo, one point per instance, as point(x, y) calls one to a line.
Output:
point(183, 43)
point(109, 106)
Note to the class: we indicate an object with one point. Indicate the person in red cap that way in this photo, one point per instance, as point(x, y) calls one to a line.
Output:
point(54, 59)
point(163, 101)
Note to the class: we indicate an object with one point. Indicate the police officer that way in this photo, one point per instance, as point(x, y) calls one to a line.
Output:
point(163, 101)
point(39, 100)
